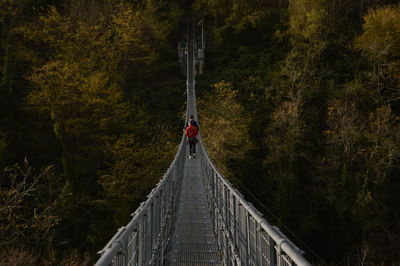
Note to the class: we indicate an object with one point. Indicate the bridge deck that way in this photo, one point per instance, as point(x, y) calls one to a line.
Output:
point(193, 241)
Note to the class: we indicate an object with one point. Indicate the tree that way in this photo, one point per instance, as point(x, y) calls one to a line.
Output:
point(380, 43)
point(94, 59)
point(29, 204)
point(79, 87)
point(136, 167)
point(224, 127)
point(360, 161)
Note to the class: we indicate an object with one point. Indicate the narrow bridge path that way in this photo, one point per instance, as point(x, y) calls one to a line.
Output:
point(194, 216)
point(193, 241)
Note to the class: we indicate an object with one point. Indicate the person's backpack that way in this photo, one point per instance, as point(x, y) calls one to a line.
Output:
point(194, 123)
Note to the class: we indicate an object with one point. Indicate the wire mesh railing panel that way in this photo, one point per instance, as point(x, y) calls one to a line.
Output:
point(252, 241)
point(242, 241)
point(133, 244)
point(266, 247)
point(119, 259)
point(285, 261)
point(145, 238)
point(142, 239)
point(250, 238)
point(243, 236)
point(156, 221)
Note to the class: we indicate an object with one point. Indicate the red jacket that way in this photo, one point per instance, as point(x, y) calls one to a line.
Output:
point(191, 131)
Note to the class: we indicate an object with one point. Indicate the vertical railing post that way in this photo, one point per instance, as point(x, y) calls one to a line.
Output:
point(151, 223)
point(226, 249)
point(248, 251)
point(141, 242)
point(137, 247)
point(258, 245)
point(274, 258)
point(225, 196)
point(235, 222)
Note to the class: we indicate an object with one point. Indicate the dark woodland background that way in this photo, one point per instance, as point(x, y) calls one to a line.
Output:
point(299, 106)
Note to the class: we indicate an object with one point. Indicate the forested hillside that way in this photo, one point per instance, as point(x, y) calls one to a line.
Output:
point(91, 102)
point(299, 106)
point(301, 110)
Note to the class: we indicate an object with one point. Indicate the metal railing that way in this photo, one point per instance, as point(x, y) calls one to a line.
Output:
point(144, 240)
point(244, 236)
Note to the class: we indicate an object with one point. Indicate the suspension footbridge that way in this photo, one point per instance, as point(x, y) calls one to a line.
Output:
point(194, 216)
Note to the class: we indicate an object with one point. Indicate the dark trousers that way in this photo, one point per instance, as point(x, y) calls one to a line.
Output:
point(192, 147)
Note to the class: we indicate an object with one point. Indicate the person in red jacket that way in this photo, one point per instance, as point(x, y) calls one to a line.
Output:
point(194, 123)
point(191, 133)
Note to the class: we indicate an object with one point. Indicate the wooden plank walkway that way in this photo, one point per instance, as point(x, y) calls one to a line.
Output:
point(193, 241)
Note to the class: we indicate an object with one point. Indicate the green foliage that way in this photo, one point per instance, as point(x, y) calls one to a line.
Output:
point(299, 101)
point(307, 22)
point(18, 256)
point(239, 33)
point(360, 162)
point(28, 209)
point(135, 170)
point(323, 121)
point(77, 83)
point(224, 126)
point(79, 86)
point(381, 30)
point(380, 44)
point(161, 16)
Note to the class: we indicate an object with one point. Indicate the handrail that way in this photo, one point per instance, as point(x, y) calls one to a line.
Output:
point(244, 236)
point(144, 239)
point(262, 244)
point(129, 246)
